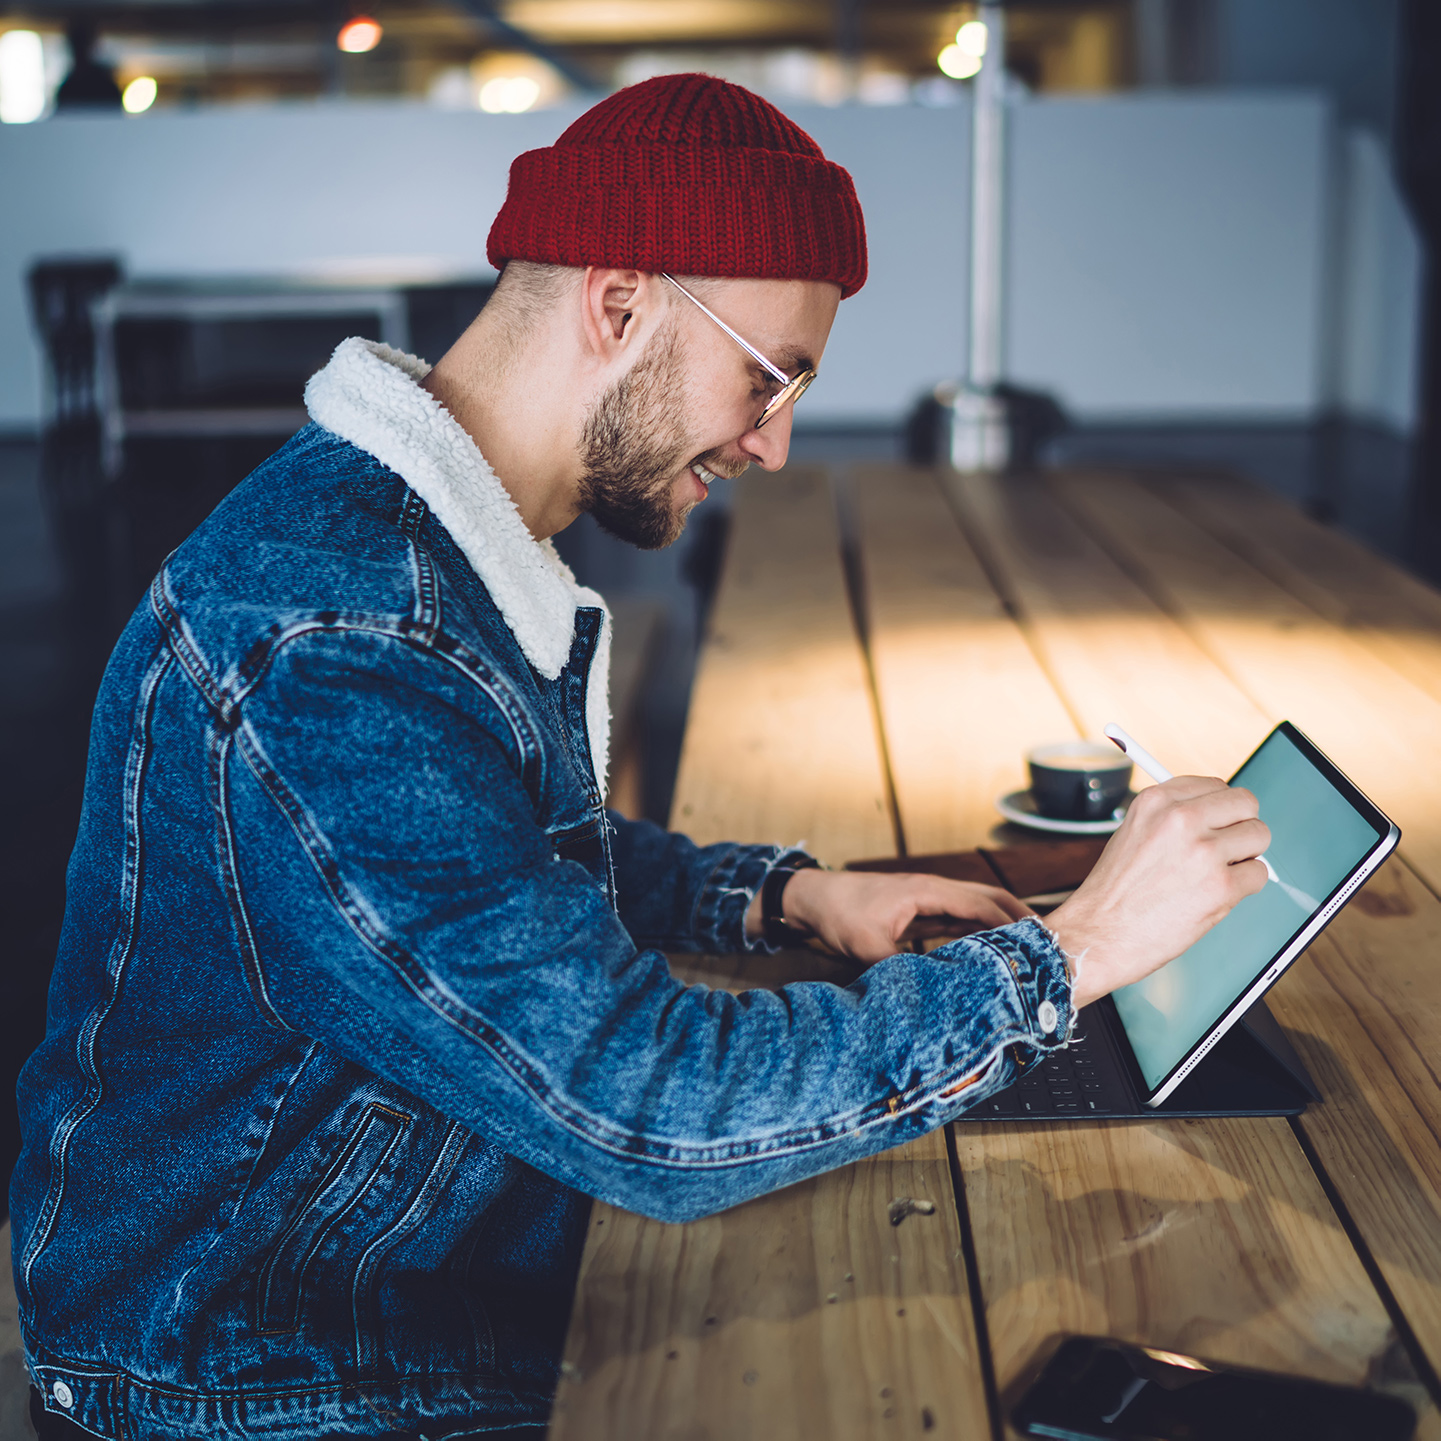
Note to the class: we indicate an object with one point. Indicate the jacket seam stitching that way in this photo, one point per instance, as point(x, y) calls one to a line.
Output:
point(120, 950)
point(332, 1175)
point(254, 1166)
point(575, 1119)
point(160, 1388)
point(421, 1204)
point(413, 512)
point(230, 881)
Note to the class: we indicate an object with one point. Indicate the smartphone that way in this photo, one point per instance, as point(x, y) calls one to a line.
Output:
point(1094, 1389)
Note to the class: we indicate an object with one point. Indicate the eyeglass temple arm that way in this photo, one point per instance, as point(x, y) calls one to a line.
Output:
point(749, 349)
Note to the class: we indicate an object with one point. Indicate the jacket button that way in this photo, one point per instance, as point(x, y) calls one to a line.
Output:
point(64, 1396)
point(1046, 1015)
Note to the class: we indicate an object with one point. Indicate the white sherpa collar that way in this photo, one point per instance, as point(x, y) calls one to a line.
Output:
point(369, 395)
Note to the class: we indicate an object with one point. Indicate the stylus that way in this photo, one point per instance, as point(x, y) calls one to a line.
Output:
point(1158, 772)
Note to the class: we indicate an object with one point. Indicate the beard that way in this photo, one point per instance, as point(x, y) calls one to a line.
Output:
point(632, 447)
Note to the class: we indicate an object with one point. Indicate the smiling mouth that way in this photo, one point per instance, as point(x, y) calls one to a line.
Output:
point(703, 475)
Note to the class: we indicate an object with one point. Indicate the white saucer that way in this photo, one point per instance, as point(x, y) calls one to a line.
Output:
point(1020, 807)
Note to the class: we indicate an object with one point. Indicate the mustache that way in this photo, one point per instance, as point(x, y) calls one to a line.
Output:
point(719, 466)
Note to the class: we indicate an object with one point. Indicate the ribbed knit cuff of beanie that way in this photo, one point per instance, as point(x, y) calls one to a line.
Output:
point(687, 174)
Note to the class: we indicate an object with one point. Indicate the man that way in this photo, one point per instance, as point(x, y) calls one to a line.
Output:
point(360, 993)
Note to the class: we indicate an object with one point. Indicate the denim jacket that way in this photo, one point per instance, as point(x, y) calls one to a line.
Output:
point(361, 992)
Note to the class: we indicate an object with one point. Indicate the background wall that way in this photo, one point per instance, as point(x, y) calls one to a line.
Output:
point(1174, 255)
point(1168, 254)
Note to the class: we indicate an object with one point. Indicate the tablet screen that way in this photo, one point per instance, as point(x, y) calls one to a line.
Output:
point(1318, 839)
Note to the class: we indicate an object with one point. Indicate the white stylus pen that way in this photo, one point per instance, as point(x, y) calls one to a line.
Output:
point(1158, 772)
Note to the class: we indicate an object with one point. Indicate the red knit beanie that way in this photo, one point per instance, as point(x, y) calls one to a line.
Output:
point(689, 174)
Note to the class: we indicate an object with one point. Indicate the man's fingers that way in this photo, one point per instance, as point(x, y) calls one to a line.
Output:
point(1227, 807)
point(971, 900)
point(1243, 840)
point(1248, 877)
point(1187, 787)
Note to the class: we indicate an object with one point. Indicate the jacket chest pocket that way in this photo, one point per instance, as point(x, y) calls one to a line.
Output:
point(316, 1229)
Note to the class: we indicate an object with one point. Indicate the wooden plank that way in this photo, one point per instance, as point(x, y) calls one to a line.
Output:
point(1365, 1005)
point(805, 1313)
point(1378, 726)
point(1364, 1011)
point(1395, 614)
point(1210, 1235)
point(1100, 638)
point(941, 644)
point(802, 1314)
point(781, 743)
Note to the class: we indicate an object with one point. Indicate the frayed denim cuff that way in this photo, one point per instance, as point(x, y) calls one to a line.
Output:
point(1043, 977)
point(720, 916)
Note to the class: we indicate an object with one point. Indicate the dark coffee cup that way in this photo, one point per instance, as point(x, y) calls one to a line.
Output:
point(1079, 780)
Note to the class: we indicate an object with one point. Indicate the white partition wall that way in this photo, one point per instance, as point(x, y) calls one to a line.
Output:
point(1169, 254)
point(1172, 256)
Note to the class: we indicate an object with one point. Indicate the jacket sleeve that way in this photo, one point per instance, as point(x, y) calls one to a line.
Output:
point(404, 907)
point(677, 896)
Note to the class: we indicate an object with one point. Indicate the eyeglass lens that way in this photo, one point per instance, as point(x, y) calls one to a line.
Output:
point(793, 390)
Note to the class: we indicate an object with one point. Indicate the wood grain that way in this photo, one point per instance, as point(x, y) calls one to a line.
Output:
point(1364, 1010)
point(1397, 616)
point(781, 742)
point(1377, 725)
point(1209, 1237)
point(803, 1314)
point(960, 695)
point(1214, 1235)
point(1101, 639)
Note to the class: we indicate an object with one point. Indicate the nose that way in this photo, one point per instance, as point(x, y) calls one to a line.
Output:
point(770, 445)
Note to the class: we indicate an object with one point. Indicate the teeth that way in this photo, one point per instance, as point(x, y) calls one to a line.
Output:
point(702, 474)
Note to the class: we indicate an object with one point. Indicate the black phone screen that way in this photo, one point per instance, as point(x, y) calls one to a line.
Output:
point(1100, 1390)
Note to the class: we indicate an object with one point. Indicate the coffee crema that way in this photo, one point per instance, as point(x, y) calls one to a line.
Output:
point(1096, 760)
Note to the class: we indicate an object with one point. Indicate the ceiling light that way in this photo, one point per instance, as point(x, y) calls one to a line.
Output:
point(957, 63)
point(22, 77)
point(139, 94)
point(509, 94)
point(971, 37)
point(359, 35)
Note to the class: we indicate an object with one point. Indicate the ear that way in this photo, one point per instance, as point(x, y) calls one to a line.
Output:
point(615, 306)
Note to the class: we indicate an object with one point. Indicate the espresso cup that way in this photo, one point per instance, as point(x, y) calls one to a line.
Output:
point(1078, 780)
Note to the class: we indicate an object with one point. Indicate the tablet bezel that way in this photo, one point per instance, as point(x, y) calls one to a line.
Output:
point(1387, 835)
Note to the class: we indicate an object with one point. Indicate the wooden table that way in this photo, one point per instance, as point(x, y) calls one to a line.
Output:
point(885, 644)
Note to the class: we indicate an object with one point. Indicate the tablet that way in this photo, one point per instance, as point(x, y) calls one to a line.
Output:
point(1326, 838)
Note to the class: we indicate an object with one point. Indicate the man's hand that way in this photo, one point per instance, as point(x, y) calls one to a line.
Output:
point(870, 915)
point(1180, 860)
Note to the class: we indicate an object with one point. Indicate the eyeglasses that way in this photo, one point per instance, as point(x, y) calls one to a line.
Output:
point(792, 386)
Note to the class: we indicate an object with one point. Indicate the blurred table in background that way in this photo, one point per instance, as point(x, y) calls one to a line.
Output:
point(884, 647)
point(165, 392)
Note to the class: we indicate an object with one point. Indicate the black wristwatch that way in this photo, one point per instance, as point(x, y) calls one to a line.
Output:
point(775, 929)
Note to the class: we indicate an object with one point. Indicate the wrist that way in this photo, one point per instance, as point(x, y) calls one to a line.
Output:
point(782, 923)
point(1075, 935)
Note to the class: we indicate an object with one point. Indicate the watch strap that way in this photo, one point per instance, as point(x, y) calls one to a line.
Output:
point(776, 931)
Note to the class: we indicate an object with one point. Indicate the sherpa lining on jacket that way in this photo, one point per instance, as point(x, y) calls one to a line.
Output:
point(369, 394)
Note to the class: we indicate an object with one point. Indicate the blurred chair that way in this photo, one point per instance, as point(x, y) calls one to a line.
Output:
point(164, 394)
point(63, 293)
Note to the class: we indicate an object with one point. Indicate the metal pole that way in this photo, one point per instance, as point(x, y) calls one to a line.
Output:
point(988, 198)
point(980, 432)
